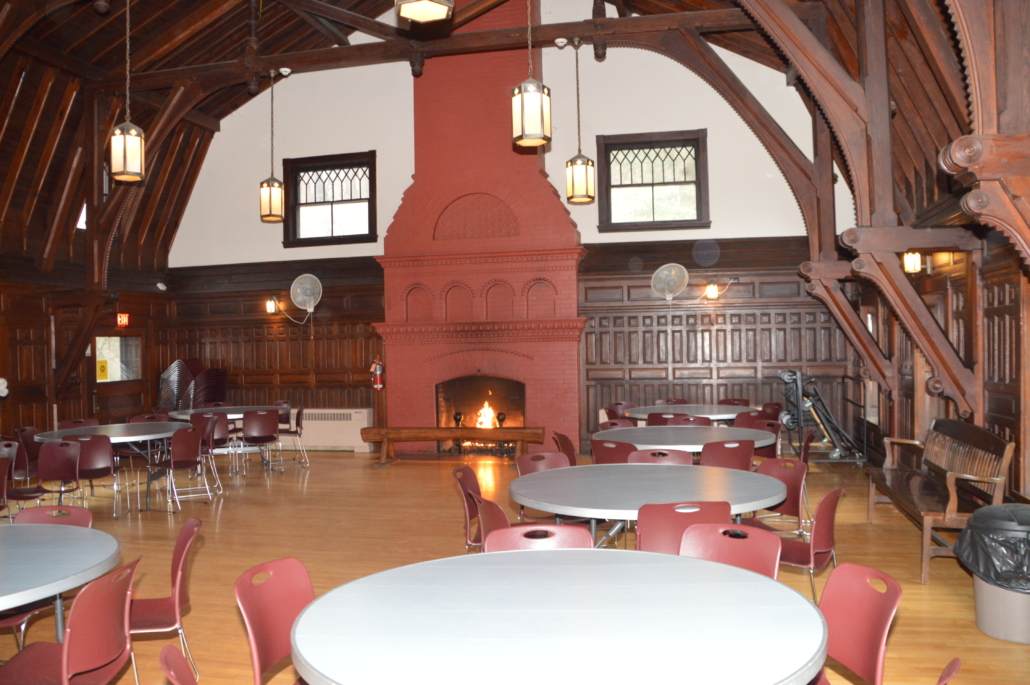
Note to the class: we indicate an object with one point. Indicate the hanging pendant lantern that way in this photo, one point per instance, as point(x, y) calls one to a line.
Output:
point(530, 102)
point(579, 171)
point(425, 10)
point(128, 142)
point(271, 187)
point(912, 262)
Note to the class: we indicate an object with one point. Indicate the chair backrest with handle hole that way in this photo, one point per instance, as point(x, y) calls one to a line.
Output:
point(260, 425)
point(76, 423)
point(175, 667)
point(180, 583)
point(58, 515)
point(491, 516)
point(284, 411)
point(186, 448)
point(746, 418)
point(610, 414)
point(772, 410)
point(687, 420)
point(792, 474)
point(729, 454)
point(542, 536)
point(616, 423)
point(806, 447)
point(774, 427)
point(566, 447)
point(468, 485)
point(610, 451)
point(660, 526)
point(271, 596)
point(96, 455)
point(540, 461)
point(59, 460)
point(660, 457)
point(822, 539)
point(620, 407)
point(749, 548)
point(96, 635)
point(27, 437)
point(858, 617)
point(659, 418)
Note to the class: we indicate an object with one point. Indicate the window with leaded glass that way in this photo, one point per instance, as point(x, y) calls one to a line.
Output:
point(330, 200)
point(653, 181)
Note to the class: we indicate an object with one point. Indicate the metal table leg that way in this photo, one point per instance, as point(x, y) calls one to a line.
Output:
point(59, 617)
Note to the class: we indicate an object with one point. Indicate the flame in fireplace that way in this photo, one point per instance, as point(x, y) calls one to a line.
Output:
point(486, 418)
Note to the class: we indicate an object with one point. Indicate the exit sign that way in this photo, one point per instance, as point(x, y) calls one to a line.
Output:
point(123, 319)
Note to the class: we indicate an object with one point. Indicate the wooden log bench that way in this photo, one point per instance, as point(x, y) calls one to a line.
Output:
point(390, 436)
point(960, 468)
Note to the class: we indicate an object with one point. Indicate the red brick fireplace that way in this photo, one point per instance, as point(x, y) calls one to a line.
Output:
point(481, 258)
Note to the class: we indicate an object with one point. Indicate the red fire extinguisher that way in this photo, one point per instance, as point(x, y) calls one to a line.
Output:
point(377, 373)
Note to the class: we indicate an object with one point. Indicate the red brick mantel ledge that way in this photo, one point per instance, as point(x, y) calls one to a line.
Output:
point(515, 259)
point(542, 330)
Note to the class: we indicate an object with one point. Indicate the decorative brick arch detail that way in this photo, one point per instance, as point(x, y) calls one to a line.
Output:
point(539, 279)
point(467, 350)
point(497, 281)
point(476, 215)
point(456, 284)
point(416, 284)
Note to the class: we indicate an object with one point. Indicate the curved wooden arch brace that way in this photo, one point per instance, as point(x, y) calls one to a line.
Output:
point(951, 377)
point(839, 96)
point(18, 16)
point(690, 50)
point(974, 24)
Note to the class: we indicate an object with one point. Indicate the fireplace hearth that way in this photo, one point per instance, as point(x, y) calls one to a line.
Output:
point(480, 402)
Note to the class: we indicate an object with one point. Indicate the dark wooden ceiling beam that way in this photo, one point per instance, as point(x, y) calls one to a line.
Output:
point(194, 116)
point(902, 239)
point(323, 26)
point(46, 158)
point(473, 11)
point(21, 153)
point(181, 31)
point(56, 58)
point(358, 22)
point(932, 38)
point(154, 202)
point(63, 199)
point(224, 74)
point(175, 188)
point(11, 94)
point(17, 17)
point(162, 248)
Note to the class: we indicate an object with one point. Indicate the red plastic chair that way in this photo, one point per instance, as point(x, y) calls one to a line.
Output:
point(772, 411)
point(746, 418)
point(660, 457)
point(76, 423)
point(687, 420)
point(806, 447)
point(621, 407)
point(729, 454)
point(214, 434)
point(950, 671)
point(58, 464)
point(566, 447)
point(659, 418)
point(59, 515)
point(540, 461)
point(261, 429)
point(819, 550)
point(858, 617)
point(616, 423)
point(660, 526)
point(610, 452)
point(175, 668)
point(491, 516)
point(285, 406)
point(184, 456)
point(792, 474)
point(7, 449)
point(775, 427)
point(96, 461)
point(96, 638)
point(28, 456)
point(747, 548)
point(538, 537)
point(610, 414)
point(468, 485)
point(736, 401)
point(270, 605)
point(163, 615)
point(297, 433)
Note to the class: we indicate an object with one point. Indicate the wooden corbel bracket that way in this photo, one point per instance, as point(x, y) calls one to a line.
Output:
point(902, 238)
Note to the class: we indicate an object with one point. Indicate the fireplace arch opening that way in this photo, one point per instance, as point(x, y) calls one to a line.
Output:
point(481, 402)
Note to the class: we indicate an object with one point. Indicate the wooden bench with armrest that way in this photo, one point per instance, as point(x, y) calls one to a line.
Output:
point(389, 436)
point(961, 467)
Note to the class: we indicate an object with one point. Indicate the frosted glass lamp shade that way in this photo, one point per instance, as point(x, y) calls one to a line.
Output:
point(912, 262)
point(271, 200)
point(579, 180)
point(531, 114)
point(425, 10)
point(712, 291)
point(270, 306)
point(128, 153)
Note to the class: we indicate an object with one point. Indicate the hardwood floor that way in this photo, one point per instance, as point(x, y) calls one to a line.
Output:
point(346, 519)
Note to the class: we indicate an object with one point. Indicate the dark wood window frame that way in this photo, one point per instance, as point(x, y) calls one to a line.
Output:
point(697, 138)
point(293, 167)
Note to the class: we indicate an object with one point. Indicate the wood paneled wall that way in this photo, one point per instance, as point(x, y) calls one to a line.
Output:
point(640, 348)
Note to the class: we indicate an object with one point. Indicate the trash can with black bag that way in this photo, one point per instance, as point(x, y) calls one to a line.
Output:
point(995, 546)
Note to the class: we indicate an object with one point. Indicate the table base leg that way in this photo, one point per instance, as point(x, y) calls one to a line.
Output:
point(612, 533)
point(59, 617)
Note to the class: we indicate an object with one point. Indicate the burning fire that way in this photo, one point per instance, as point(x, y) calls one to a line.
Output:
point(486, 418)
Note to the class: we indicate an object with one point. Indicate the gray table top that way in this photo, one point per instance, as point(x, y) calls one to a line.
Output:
point(119, 432)
point(233, 413)
point(617, 491)
point(716, 412)
point(686, 438)
point(41, 561)
point(540, 617)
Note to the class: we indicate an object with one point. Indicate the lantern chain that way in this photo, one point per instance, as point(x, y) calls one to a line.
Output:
point(128, 110)
point(579, 136)
point(529, 34)
point(271, 161)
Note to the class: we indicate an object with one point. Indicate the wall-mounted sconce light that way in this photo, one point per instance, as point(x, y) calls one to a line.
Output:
point(271, 305)
point(912, 262)
point(713, 292)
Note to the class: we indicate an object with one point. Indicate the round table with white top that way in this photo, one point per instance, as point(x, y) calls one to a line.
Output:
point(119, 432)
point(42, 561)
point(540, 616)
point(232, 413)
point(686, 438)
point(715, 412)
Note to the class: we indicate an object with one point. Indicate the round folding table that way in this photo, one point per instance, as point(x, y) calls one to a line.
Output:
point(686, 438)
point(231, 413)
point(119, 432)
point(40, 561)
point(716, 412)
point(542, 615)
